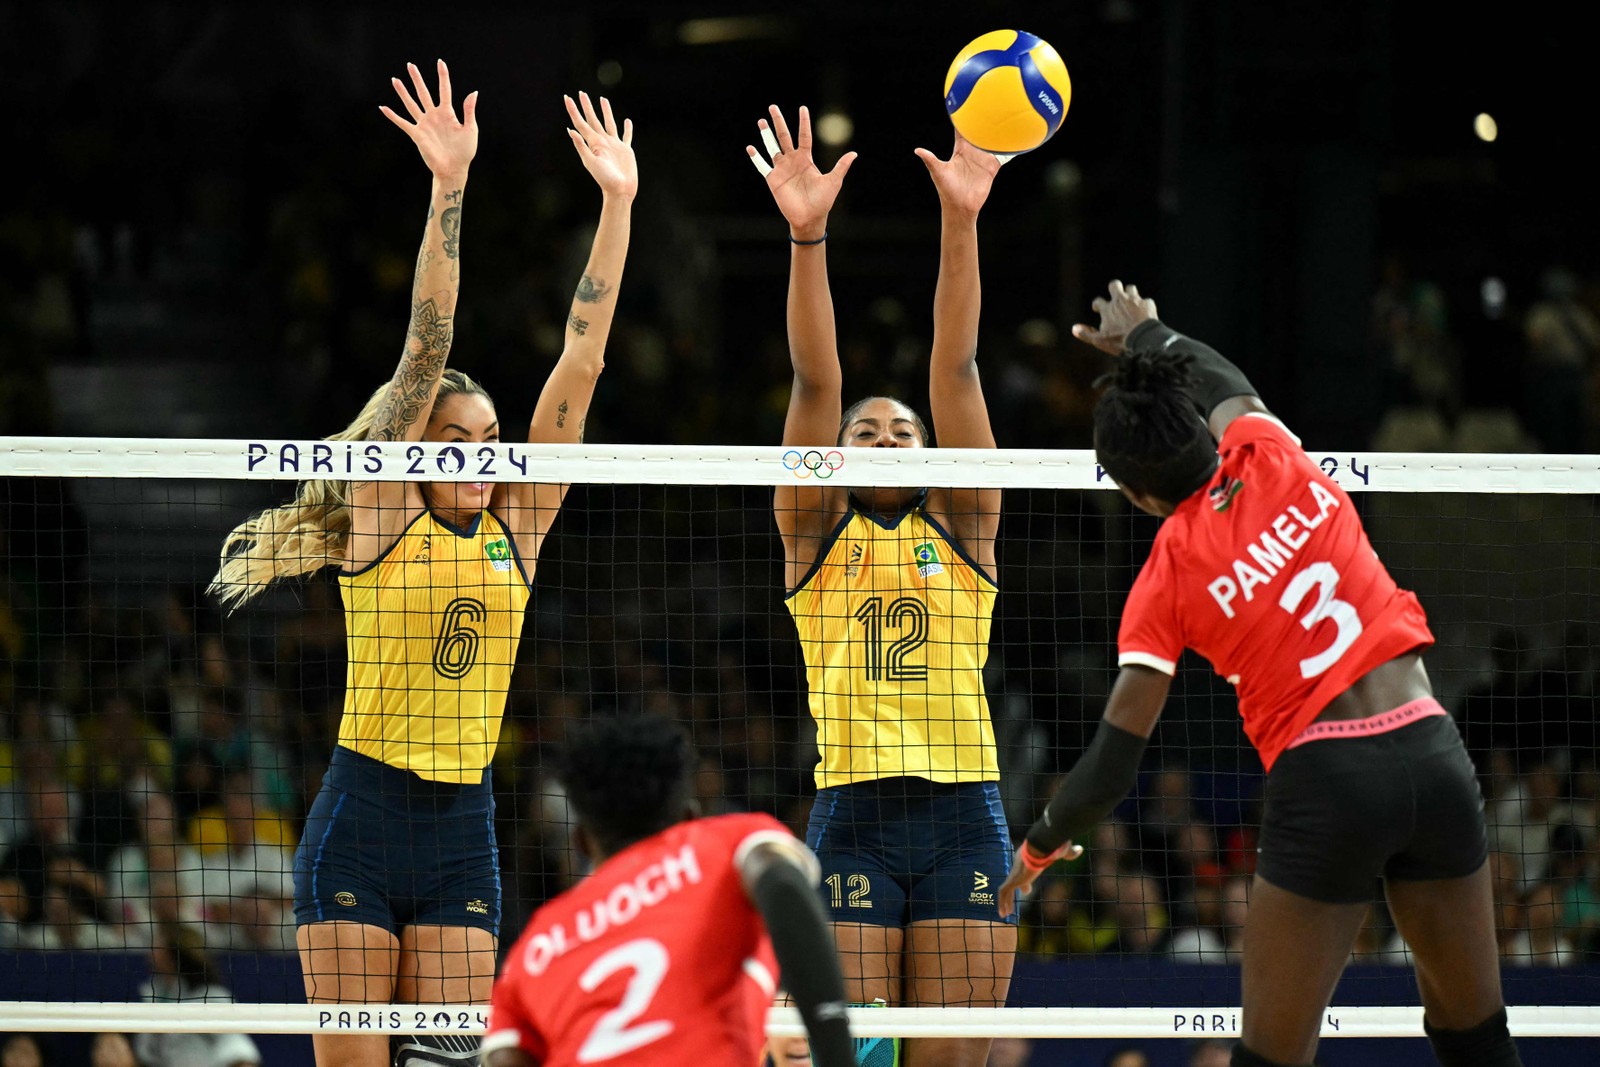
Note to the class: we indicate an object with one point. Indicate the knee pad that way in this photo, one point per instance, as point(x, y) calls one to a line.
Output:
point(1244, 1057)
point(435, 1050)
point(1488, 1044)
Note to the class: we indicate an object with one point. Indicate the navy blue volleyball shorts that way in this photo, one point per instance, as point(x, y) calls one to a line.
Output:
point(1345, 812)
point(387, 848)
point(901, 850)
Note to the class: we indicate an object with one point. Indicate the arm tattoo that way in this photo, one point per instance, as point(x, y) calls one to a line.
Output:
point(591, 290)
point(561, 415)
point(578, 325)
point(427, 344)
point(454, 196)
point(450, 223)
point(583, 422)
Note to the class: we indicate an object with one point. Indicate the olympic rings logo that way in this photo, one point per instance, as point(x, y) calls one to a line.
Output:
point(812, 462)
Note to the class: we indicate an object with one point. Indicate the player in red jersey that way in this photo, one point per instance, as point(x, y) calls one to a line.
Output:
point(665, 954)
point(1262, 566)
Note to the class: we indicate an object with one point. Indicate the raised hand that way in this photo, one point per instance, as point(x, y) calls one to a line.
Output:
point(447, 146)
point(606, 154)
point(803, 193)
point(963, 180)
point(1118, 316)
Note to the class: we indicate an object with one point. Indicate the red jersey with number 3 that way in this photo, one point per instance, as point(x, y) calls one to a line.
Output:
point(657, 957)
point(1268, 574)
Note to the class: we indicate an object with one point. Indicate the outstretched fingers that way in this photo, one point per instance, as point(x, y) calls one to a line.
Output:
point(589, 114)
point(768, 141)
point(405, 99)
point(607, 117)
point(444, 88)
point(804, 143)
point(841, 168)
point(627, 132)
point(424, 97)
point(763, 168)
point(580, 125)
point(785, 142)
point(469, 109)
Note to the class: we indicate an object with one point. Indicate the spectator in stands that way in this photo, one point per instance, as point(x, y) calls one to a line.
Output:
point(1563, 340)
point(1505, 880)
point(119, 739)
point(248, 886)
point(156, 878)
point(1210, 1053)
point(1129, 914)
point(1127, 1057)
point(21, 1050)
point(1581, 905)
point(1217, 935)
point(181, 974)
point(48, 853)
point(1011, 1052)
point(1520, 822)
point(1046, 926)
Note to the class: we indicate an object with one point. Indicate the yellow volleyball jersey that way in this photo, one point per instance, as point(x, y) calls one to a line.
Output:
point(432, 631)
point(894, 627)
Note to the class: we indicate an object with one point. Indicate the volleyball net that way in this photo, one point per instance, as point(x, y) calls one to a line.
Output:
point(159, 757)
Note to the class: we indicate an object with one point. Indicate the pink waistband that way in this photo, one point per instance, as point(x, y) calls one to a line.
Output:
point(1404, 715)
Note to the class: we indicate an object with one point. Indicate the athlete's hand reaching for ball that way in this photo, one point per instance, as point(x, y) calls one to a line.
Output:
point(804, 194)
point(447, 146)
point(1119, 315)
point(963, 180)
point(607, 153)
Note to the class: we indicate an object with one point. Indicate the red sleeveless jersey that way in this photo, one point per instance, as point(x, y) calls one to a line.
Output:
point(1268, 574)
point(657, 957)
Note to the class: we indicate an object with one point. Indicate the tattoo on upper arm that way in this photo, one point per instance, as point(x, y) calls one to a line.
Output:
point(427, 344)
point(561, 415)
point(578, 325)
point(591, 290)
point(583, 422)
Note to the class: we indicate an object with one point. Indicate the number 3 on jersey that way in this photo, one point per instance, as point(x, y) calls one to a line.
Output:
point(1325, 578)
point(614, 1032)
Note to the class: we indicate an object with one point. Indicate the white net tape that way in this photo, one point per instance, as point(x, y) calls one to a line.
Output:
point(1041, 1023)
point(102, 457)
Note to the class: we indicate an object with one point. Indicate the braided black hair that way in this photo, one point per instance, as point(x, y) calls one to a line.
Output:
point(627, 777)
point(1148, 435)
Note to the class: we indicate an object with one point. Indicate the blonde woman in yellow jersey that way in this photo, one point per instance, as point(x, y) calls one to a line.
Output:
point(397, 886)
point(891, 591)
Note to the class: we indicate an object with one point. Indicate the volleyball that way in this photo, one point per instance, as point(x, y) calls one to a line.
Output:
point(1007, 92)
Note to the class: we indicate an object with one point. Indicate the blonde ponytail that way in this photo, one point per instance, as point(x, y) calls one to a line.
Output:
point(308, 533)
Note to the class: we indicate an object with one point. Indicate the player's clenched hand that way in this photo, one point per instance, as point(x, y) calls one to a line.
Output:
point(1024, 874)
point(803, 193)
point(447, 146)
point(964, 179)
point(1119, 314)
point(606, 152)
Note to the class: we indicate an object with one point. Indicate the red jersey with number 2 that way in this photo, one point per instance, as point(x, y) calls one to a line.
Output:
point(1268, 574)
point(657, 957)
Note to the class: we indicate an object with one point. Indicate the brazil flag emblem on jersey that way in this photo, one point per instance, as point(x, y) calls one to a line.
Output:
point(499, 553)
point(927, 556)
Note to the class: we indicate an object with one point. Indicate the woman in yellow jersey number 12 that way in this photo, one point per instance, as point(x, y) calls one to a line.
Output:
point(397, 886)
point(892, 591)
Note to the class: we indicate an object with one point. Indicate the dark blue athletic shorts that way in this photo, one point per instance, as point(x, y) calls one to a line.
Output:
point(901, 850)
point(387, 848)
point(1343, 813)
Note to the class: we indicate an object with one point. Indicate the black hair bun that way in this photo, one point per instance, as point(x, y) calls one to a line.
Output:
point(1158, 372)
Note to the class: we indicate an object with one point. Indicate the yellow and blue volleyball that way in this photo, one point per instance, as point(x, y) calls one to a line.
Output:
point(1007, 92)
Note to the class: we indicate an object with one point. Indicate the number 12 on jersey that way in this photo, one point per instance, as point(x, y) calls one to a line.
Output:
point(908, 616)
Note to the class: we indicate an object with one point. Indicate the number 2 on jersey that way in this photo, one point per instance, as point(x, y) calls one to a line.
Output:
point(910, 616)
point(612, 1034)
point(1325, 578)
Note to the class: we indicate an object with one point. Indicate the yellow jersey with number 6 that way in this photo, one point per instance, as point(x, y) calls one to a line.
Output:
point(432, 629)
point(894, 628)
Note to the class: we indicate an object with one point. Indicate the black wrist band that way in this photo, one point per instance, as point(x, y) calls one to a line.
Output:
point(796, 241)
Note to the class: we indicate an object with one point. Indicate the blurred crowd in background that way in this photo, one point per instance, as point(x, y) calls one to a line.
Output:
point(214, 246)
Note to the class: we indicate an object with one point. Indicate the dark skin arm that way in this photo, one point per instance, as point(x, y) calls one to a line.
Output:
point(805, 195)
point(1120, 313)
point(1135, 705)
point(955, 393)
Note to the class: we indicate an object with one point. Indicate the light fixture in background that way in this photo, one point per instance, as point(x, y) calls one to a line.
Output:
point(1063, 178)
point(1493, 292)
point(1486, 127)
point(834, 128)
point(731, 29)
point(608, 73)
